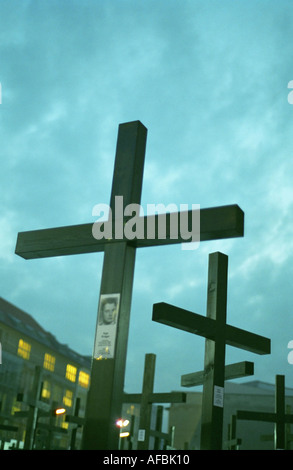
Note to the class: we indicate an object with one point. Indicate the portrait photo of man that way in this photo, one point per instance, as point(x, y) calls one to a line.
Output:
point(108, 310)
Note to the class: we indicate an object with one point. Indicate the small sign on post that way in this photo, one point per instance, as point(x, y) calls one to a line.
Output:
point(219, 396)
point(141, 435)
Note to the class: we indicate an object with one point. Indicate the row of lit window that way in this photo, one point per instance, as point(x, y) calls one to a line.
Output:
point(46, 393)
point(24, 350)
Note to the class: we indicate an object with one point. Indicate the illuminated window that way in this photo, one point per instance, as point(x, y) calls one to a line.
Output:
point(15, 406)
point(67, 399)
point(46, 390)
point(49, 362)
point(83, 379)
point(64, 423)
point(24, 349)
point(71, 373)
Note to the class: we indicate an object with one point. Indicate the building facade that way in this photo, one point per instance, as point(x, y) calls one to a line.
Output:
point(64, 382)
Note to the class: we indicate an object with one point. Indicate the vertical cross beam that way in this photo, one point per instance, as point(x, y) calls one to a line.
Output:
point(232, 443)
point(159, 423)
point(279, 432)
point(214, 367)
point(33, 410)
point(145, 405)
point(107, 376)
point(74, 431)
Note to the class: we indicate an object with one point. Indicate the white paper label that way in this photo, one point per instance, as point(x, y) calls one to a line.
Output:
point(141, 435)
point(218, 396)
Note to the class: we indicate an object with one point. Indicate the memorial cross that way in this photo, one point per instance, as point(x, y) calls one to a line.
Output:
point(37, 409)
point(279, 418)
point(107, 377)
point(289, 436)
point(159, 435)
point(76, 419)
point(34, 403)
point(168, 438)
point(146, 399)
point(218, 334)
point(233, 442)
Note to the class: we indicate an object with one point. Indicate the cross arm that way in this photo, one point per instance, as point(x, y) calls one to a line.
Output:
point(215, 223)
point(160, 434)
point(26, 399)
point(7, 427)
point(256, 416)
point(75, 419)
point(262, 416)
point(207, 327)
point(172, 397)
point(232, 371)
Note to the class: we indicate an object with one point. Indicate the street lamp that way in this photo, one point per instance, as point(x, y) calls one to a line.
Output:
point(122, 423)
point(59, 411)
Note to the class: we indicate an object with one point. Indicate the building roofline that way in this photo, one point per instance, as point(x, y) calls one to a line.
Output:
point(18, 319)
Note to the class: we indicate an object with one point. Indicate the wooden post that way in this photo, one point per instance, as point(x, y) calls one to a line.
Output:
point(145, 406)
point(33, 410)
point(107, 377)
point(159, 423)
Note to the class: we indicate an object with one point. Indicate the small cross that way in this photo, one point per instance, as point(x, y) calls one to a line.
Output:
point(218, 334)
point(280, 418)
point(146, 398)
point(34, 405)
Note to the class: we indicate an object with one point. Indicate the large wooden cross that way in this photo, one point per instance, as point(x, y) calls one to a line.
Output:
point(105, 395)
point(280, 418)
point(217, 333)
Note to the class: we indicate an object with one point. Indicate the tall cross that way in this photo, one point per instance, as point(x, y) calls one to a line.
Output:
point(280, 418)
point(217, 333)
point(146, 399)
point(107, 376)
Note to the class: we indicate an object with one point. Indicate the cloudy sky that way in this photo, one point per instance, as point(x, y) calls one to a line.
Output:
point(209, 80)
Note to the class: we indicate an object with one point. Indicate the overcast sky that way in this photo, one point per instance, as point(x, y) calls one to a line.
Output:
point(209, 80)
